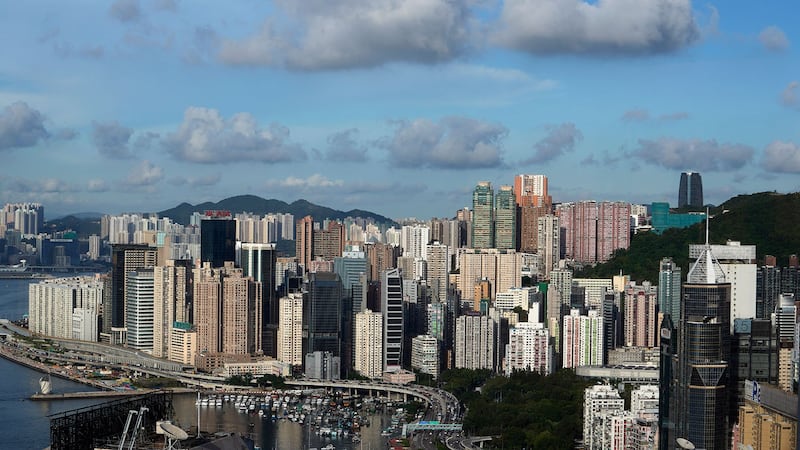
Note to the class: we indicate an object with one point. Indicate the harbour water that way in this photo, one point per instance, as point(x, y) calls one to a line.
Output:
point(24, 424)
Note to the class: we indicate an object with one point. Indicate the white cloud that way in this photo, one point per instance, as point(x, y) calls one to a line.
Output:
point(356, 33)
point(624, 27)
point(315, 181)
point(783, 157)
point(451, 143)
point(97, 185)
point(773, 38)
point(205, 136)
point(789, 96)
point(694, 154)
point(560, 139)
point(111, 139)
point(144, 174)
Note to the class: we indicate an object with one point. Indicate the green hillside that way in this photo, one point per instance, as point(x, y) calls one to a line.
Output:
point(767, 220)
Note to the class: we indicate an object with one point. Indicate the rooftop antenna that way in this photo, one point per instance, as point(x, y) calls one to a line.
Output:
point(708, 218)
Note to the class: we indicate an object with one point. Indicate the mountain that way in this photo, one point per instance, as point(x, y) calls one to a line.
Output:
point(767, 220)
point(261, 206)
point(83, 226)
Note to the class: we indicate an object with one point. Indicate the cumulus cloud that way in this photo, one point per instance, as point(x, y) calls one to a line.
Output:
point(21, 126)
point(125, 10)
point(44, 186)
point(782, 157)
point(315, 181)
point(451, 143)
point(207, 137)
point(774, 39)
point(97, 185)
point(144, 174)
point(560, 139)
point(685, 154)
point(356, 33)
point(111, 139)
point(203, 180)
point(343, 147)
point(618, 27)
point(789, 95)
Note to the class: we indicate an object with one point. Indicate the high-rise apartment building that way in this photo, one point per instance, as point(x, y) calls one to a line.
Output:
point(548, 243)
point(290, 329)
point(475, 342)
point(690, 191)
point(505, 219)
point(531, 190)
point(425, 354)
point(414, 240)
point(217, 238)
point(368, 347)
point(529, 349)
point(172, 297)
point(140, 302)
point(53, 304)
point(328, 243)
point(599, 402)
point(381, 257)
point(583, 339)
point(304, 241)
point(438, 270)
point(392, 310)
point(27, 218)
point(640, 315)
point(483, 216)
point(593, 231)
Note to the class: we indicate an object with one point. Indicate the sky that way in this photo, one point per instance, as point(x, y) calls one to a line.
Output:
point(399, 107)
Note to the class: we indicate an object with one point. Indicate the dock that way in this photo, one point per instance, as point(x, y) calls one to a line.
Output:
point(92, 394)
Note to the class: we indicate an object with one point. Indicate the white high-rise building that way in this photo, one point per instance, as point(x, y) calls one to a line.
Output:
point(425, 354)
point(529, 348)
point(94, 247)
point(290, 329)
point(140, 304)
point(598, 401)
point(595, 290)
point(583, 339)
point(392, 311)
point(368, 344)
point(53, 304)
point(414, 240)
point(169, 303)
point(438, 272)
point(644, 400)
point(475, 342)
point(548, 244)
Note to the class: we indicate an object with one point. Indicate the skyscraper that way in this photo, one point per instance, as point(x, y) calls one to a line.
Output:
point(139, 299)
point(290, 331)
point(322, 311)
point(258, 261)
point(217, 238)
point(368, 348)
point(702, 380)
point(505, 219)
point(640, 315)
point(690, 192)
point(531, 190)
point(392, 310)
point(483, 216)
point(548, 243)
point(669, 289)
point(305, 241)
point(124, 258)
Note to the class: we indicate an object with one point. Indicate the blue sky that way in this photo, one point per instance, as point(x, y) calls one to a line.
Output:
point(395, 106)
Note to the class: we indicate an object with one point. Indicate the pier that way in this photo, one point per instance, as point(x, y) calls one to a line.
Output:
point(92, 394)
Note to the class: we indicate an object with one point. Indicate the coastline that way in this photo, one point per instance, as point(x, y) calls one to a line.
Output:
point(43, 368)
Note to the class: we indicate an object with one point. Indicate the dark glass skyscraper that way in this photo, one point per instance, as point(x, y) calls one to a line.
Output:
point(322, 311)
point(690, 192)
point(218, 240)
point(258, 261)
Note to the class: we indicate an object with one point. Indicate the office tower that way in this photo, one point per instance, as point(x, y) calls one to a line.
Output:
point(768, 288)
point(305, 241)
point(529, 349)
point(322, 313)
point(785, 323)
point(519, 297)
point(668, 415)
point(217, 238)
point(368, 346)
point(532, 190)
point(505, 219)
point(66, 308)
point(612, 323)
point(548, 243)
point(258, 261)
point(328, 243)
point(598, 401)
point(702, 376)
point(381, 257)
point(425, 355)
point(139, 298)
point(414, 240)
point(669, 289)
point(290, 330)
point(475, 342)
point(754, 352)
point(613, 228)
point(690, 192)
point(640, 315)
point(172, 297)
point(583, 339)
point(483, 216)
point(438, 270)
point(124, 258)
point(352, 270)
point(392, 310)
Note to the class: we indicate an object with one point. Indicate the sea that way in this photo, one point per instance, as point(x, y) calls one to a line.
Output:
point(25, 424)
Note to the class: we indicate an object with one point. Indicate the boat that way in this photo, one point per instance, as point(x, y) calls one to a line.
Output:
point(15, 268)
